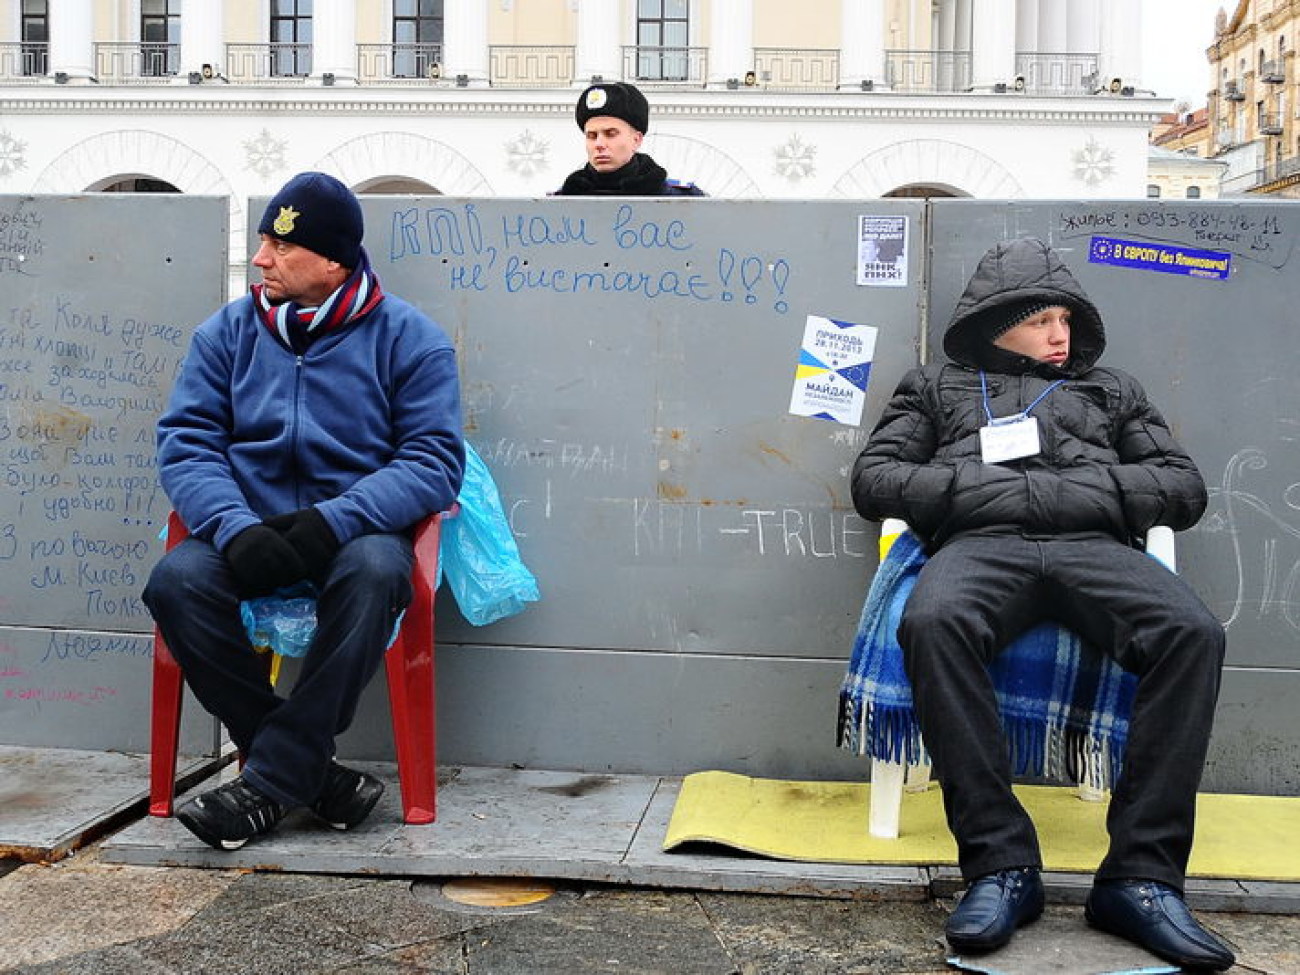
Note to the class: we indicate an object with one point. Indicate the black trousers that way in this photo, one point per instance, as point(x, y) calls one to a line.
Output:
point(287, 742)
point(975, 595)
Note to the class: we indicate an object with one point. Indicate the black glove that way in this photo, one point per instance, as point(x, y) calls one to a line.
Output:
point(311, 537)
point(263, 561)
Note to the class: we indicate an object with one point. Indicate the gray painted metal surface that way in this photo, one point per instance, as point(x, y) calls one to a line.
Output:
point(627, 369)
point(1217, 357)
point(100, 294)
point(627, 372)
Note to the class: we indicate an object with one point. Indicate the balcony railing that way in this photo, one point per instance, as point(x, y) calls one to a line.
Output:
point(23, 62)
point(398, 64)
point(1244, 182)
point(530, 66)
point(797, 69)
point(928, 71)
point(118, 63)
point(1270, 123)
point(263, 63)
point(668, 66)
point(1057, 74)
point(1273, 72)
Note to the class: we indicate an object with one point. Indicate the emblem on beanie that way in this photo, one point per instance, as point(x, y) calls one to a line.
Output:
point(284, 222)
point(597, 97)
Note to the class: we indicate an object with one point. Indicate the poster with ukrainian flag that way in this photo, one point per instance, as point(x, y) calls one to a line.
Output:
point(830, 382)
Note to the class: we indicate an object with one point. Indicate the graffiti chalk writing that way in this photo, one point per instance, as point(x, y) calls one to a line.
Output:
point(798, 533)
point(541, 252)
point(648, 234)
point(520, 277)
point(1244, 232)
point(61, 695)
point(68, 319)
point(681, 527)
point(70, 645)
point(100, 603)
point(20, 239)
point(535, 231)
point(1264, 576)
point(577, 458)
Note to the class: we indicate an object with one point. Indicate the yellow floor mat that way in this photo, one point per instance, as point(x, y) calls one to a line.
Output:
point(1237, 836)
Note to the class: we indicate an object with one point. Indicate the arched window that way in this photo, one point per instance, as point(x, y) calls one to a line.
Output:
point(1193, 192)
point(1153, 191)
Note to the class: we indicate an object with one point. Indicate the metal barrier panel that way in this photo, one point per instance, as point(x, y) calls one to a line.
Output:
point(1199, 302)
point(628, 368)
point(100, 294)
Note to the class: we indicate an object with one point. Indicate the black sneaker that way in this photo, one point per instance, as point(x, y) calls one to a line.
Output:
point(230, 815)
point(348, 796)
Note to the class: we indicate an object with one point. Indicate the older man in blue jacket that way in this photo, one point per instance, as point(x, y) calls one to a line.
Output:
point(314, 422)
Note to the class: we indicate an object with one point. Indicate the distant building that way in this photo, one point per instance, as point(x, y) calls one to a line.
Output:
point(750, 98)
point(1183, 176)
point(1253, 98)
point(1185, 132)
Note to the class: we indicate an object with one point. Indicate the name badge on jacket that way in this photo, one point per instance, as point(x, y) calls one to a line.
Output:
point(1009, 438)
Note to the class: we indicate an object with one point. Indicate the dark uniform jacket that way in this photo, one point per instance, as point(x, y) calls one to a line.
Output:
point(1108, 462)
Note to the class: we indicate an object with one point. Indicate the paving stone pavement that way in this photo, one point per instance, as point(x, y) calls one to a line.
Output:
point(86, 915)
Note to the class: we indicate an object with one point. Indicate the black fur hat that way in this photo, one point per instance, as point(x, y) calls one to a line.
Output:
point(615, 98)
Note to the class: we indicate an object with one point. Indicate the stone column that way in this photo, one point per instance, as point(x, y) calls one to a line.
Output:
point(1083, 26)
point(1120, 50)
point(465, 41)
point(1027, 26)
point(1051, 27)
point(731, 41)
point(334, 41)
point(862, 43)
point(993, 43)
point(72, 48)
point(599, 49)
point(203, 40)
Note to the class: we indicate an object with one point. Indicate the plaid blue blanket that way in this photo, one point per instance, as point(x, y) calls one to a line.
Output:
point(1060, 701)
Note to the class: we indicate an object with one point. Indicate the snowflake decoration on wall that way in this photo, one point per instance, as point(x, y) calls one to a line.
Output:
point(13, 154)
point(265, 154)
point(794, 159)
point(1094, 163)
point(527, 154)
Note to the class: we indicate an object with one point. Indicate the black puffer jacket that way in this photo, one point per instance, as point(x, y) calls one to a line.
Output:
point(1108, 462)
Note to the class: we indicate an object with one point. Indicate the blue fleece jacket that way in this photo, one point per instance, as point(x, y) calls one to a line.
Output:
point(365, 425)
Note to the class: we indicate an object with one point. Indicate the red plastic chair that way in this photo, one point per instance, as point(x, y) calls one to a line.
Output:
point(409, 665)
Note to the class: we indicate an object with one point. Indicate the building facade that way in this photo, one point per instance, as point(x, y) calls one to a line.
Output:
point(1253, 97)
point(750, 98)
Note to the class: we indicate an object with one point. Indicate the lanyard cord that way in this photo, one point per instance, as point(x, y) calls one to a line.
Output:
point(984, 388)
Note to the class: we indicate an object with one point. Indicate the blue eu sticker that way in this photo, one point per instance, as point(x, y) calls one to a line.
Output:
point(1166, 258)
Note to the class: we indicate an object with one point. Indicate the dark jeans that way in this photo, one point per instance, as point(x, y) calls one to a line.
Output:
point(974, 596)
point(287, 742)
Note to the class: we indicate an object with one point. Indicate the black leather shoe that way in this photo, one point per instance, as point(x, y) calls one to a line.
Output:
point(993, 907)
point(1154, 916)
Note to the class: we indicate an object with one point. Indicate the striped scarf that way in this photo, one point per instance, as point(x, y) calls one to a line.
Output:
point(297, 326)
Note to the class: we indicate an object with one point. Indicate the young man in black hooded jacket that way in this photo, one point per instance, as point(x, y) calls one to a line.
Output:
point(614, 117)
point(1032, 474)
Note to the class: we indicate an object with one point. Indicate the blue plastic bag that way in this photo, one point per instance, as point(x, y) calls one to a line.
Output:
point(285, 622)
point(478, 554)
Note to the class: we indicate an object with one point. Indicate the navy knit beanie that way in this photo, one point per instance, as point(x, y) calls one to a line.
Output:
point(319, 213)
point(617, 99)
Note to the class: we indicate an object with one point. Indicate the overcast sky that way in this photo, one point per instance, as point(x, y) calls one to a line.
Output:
point(1175, 34)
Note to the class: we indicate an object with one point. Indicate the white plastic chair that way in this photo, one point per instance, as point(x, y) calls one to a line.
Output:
point(889, 780)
